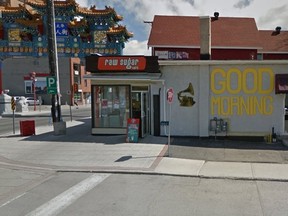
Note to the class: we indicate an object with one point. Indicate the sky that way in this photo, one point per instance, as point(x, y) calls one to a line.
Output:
point(268, 14)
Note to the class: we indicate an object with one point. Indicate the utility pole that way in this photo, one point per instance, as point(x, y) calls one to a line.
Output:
point(53, 60)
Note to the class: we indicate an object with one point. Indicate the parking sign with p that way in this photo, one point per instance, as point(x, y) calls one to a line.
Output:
point(51, 85)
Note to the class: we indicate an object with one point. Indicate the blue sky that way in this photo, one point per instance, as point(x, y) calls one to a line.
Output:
point(267, 13)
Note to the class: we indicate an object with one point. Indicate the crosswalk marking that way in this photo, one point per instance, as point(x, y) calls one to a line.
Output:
point(62, 201)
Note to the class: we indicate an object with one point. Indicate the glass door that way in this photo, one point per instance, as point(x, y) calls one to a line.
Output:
point(140, 110)
point(144, 113)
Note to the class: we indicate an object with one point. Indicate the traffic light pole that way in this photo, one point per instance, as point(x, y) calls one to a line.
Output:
point(53, 60)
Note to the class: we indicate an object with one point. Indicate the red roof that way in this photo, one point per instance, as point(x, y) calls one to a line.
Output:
point(274, 42)
point(184, 31)
point(174, 31)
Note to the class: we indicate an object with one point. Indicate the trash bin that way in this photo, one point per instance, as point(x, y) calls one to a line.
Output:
point(27, 127)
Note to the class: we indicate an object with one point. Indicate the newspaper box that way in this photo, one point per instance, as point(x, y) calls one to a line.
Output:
point(27, 127)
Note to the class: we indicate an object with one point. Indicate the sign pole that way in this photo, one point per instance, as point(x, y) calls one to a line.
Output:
point(170, 93)
point(169, 131)
point(13, 106)
point(70, 113)
point(13, 121)
point(53, 59)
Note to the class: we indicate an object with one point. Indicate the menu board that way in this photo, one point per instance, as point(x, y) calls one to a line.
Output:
point(132, 130)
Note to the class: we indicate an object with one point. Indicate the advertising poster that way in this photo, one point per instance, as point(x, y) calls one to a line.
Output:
point(132, 130)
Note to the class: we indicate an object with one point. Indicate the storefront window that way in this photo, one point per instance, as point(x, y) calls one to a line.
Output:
point(40, 86)
point(111, 106)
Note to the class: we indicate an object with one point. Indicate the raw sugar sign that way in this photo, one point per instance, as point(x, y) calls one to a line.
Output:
point(132, 130)
point(122, 63)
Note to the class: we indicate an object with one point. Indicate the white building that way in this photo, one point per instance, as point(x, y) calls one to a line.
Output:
point(240, 95)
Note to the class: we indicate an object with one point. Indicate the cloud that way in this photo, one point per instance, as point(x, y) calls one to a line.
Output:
point(275, 17)
point(268, 14)
point(172, 7)
point(83, 3)
point(191, 2)
point(135, 47)
point(243, 4)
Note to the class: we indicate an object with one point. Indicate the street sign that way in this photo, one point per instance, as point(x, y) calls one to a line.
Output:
point(164, 123)
point(13, 104)
point(51, 85)
point(170, 93)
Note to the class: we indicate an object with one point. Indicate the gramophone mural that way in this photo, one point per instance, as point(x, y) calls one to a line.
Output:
point(185, 96)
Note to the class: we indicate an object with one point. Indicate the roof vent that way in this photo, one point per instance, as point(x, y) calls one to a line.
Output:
point(278, 29)
point(216, 15)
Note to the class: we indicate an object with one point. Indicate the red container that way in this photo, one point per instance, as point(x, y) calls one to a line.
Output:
point(27, 127)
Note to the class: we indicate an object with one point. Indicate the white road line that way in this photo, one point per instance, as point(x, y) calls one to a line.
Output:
point(12, 200)
point(62, 201)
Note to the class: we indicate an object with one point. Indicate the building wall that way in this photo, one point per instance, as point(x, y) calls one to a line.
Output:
point(184, 120)
point(177, 53)
point(84, 87)
point(233, 54)
point(240, 93)
point(216, 54)
point(275, 56)
point(14, 70)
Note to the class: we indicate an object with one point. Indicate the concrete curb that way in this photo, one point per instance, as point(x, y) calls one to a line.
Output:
point(285, 142)
point(201, 169)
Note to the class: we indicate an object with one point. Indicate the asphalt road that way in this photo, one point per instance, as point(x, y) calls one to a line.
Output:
point(43, 117)
point(117, 194)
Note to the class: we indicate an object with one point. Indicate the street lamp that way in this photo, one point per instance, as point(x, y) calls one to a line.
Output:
point(53, 59)
point(33, 78)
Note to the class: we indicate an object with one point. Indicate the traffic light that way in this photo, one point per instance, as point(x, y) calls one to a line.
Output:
point(75, 87)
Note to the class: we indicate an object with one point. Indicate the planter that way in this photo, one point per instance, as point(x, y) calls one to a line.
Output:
point(59, 128)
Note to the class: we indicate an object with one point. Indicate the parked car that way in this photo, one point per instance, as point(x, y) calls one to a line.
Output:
point(30, 101)
point(16, 98)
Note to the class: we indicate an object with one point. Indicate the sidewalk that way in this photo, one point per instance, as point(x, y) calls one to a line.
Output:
point(228, 150)
point(78, 150)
